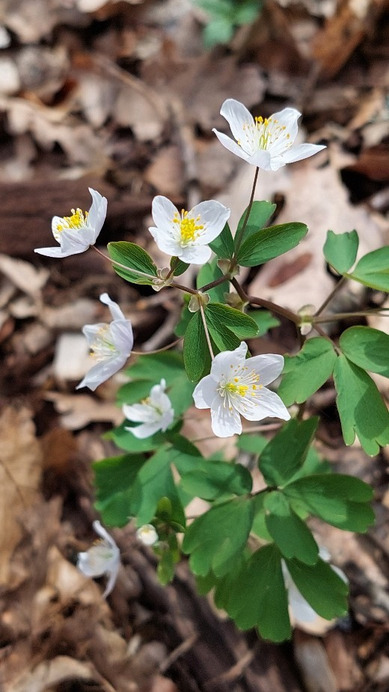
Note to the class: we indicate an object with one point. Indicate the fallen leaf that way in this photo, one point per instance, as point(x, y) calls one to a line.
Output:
point(78, 410)
point(24, 275)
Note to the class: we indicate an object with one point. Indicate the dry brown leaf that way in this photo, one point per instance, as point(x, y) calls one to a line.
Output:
point(20, 473)
point(314, 665)
point(166, 172)
point(71, 360)
point(24, 275)
point(59, 670)
point(134, 110)
point(78, 410)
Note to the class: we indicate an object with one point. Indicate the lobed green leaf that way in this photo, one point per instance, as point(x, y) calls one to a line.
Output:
point(284, 455)
point(307, 371)
point(114, 479)
point(340, 250)
point(321, 586)
point(373, 269)
point(366, 347)
point(289, 532)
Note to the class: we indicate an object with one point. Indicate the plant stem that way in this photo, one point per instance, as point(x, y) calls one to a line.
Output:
point(239, 234)
point(193, 291)
point(158, 350)
point(336, 288)
point(345, 315)
point(273, 307)
point(123, 266)
point(206, 330)
point(214, 283)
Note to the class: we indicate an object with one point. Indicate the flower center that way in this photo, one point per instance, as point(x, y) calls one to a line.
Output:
point(241, 383)
point(188, 227)
point(151, 404)
point(264, 133)
point(77, 220)
point(102, 347)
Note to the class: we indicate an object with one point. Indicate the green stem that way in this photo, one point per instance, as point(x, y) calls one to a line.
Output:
point(123, 266)
point(337, 287)
point(273, 307)
point(239, 234)
point(345, 315)
point(206, 330)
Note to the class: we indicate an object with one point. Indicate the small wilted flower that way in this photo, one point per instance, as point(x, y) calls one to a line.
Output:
point(110, 345)
point(147, 534)
point(264, 142)
point(186, 234)
point(299, 606)
point(155, 412)
point(102, 558)
point(236, 387)
point(77, 232)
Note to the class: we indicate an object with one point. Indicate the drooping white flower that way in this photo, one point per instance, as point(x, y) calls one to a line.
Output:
point(186, 234)
point(77, 232)
point(237, 387)
point(155, 412)
point(264, 142)
point(102, 558)
point(299, 606)
point(110, 345)
point(147, 534)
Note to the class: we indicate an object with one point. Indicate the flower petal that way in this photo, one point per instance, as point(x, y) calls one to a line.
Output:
point(113, 307)
point(224, 361)
point(269, 366)
point(194, 254)
point(301, 151)
point(54, 252)
point(268, 405)
point(204, 392)
point(231, 145)
point(122, 336)
point(225, 421)
point(288, 118)
point(97, 212)
point(144, 430)
point(102, 371)
point(213, 215)
point(163, 211)
point(237, 116)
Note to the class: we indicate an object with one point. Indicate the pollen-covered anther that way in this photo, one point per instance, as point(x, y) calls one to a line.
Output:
point(189, 226)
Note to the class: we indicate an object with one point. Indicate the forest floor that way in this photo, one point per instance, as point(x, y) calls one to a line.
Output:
point(122, 97)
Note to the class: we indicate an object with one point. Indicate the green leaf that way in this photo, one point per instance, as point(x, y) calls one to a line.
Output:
point(260, 213)
point(257, 597)
point(285, 453)
point(114, 480)
point(165, 568)
point(254, 444)
point(133, 257)
point(264, 245)
point(217, 538)
point(373, 269)
point(209, 272)
point(319, 584)
point(179, 266)
point(197, 359)
point(338, 499)
point(223, 245)
point(307, 371)
point(212, 480)
point(366, 347)
point(361, 409)
point(153, 482)
point(340, 250)
point(219, 30)
point(221, 317)
point(264, 320)
point(292, 535)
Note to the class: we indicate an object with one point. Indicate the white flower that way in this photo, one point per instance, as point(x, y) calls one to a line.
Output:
point(102, 558)
point(77, 232)
point(147, 534)
point(264, 142)
point(110, 345)
point(236, 387)
point(186, 235)
point(155, 412)
point(299, 606)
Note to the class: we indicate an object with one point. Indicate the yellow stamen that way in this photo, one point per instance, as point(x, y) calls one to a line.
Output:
point(189, 227)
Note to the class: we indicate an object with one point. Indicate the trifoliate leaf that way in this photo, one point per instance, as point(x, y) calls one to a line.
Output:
point(284, 455)
point(373, 269)
point(288, 531)
point(213, 480)
point(366, 347)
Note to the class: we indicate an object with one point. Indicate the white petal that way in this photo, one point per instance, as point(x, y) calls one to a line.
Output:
point(225, 421)
point(97, 212)
point(144, 430)
point(102, 371)
point(166, 241)
point(137, 413)
point(301, 151)
point(53, 252)
point(213, 215)
point(112, 579)
point(194, 254)
point(232, 146)
point(224, 361)
point(113, 307)
point(163, 211)
point(204, 393)
point(269, 405)
point(122, 336)
point(288, 118)
point(300, 607)
point(262, 159)
point(237, 116)
point(269, 366)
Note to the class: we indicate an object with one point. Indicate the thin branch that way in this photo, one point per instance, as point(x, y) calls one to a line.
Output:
point(336, 288)
point(206, 330)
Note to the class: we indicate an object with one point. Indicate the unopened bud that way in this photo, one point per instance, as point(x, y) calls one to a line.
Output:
point(197, 300)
